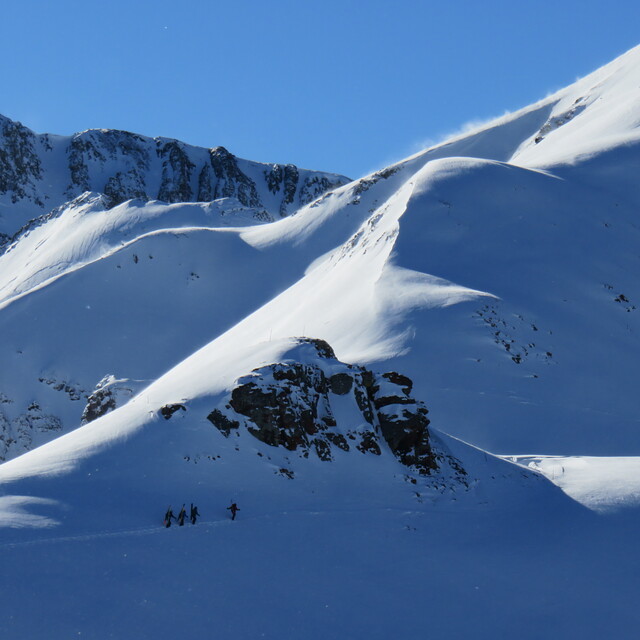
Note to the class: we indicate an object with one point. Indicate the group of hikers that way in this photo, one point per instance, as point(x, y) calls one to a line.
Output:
point(193, 515)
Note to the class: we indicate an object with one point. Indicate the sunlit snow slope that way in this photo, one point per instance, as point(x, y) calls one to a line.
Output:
point(497, 270)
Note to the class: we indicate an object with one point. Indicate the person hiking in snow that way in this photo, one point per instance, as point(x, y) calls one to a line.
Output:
point(168, 516)
point(181, 516)
point(233, 508)
point(194, 514)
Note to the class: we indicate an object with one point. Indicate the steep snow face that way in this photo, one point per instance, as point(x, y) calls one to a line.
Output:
point(593, 116)
point(41, 172)
point(587, 132)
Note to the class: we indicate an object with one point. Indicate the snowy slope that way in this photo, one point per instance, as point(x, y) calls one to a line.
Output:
point(497, 271)
point(316, 573)
point(345, 548)
point(600, 483)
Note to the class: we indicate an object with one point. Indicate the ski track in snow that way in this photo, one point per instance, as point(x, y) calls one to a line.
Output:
point(141, 531)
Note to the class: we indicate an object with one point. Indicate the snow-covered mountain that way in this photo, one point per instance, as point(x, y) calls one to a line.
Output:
point(41, 172)
point(340, 359)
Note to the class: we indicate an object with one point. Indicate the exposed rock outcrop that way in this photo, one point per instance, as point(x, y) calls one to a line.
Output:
point(169, 409)
point(176, 172)
point(109, 394)
point(230, 180)
point(290, 404)
point(20, 166)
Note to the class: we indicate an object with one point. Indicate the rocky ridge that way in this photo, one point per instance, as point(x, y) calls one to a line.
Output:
point(42, 171)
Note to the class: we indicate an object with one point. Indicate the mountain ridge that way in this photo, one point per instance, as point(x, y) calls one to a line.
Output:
point(39, 172)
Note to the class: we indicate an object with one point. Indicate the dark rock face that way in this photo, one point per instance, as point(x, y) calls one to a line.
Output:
point(124, 186)
point(400, 380)
point(393, 389)
point(407, 435)
point(221, 422)
point(74, 392)
point(176, 173)
point(285, 177)
point(279, 420)
point(123, 165)
point(289, 405)
point(206, 182)
point(322, 347)
point(341, 383)
point(89, 151)
point(315, 186)
point(365, 184)
point(108, 395)
point(20, 167)
point(169, 409)
point(231, 181)
point(100, 402)
point(80, 153)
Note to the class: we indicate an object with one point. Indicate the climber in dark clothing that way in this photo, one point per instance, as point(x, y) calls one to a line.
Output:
point(233, 508)
point(167, 517)
point(194, 514)
point(181, 516)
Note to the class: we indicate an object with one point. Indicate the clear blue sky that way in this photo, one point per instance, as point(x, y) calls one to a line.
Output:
point(339, 85)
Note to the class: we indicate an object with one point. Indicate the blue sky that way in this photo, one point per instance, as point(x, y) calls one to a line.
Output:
point(343, 86)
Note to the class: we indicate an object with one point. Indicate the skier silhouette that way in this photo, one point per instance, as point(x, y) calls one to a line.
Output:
point(181, 516)
point(233, 508)
point(168, 516)
point(194, 513)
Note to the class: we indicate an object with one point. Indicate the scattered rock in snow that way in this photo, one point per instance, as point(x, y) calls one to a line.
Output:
point(514, 334)
point(17, 435)
point(169, 409)
point(221, 422)
point(74, 391)
point(558, 121)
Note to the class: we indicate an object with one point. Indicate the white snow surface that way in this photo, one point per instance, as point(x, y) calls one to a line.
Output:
point(498, 270)
point(603, 484)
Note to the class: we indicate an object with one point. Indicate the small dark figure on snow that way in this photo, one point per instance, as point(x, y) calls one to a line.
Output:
point(167, 517)
point(194, 514)
point(181, 516)
point(233, 508)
